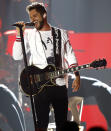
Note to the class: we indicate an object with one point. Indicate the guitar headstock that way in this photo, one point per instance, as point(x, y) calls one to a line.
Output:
point(98, 63)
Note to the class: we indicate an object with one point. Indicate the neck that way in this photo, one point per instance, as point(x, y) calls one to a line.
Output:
point(45, 27)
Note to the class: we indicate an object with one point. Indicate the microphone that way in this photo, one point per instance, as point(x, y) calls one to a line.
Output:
point(26, 24)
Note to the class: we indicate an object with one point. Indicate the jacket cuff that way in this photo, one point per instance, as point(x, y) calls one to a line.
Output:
point(18, 39)
point(73, 65)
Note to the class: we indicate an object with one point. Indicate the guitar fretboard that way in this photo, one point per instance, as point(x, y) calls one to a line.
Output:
point(69, 70)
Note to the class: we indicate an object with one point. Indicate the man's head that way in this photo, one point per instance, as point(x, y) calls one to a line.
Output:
point(37, 14)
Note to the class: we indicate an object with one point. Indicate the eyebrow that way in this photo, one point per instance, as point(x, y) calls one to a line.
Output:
point(33, 15)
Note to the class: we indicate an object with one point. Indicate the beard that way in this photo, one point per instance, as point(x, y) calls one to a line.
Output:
point(40, 25)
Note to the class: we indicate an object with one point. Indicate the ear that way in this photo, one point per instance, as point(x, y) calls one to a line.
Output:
point(44, 16)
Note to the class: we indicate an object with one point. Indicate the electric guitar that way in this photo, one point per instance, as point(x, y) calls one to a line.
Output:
point(34, 79)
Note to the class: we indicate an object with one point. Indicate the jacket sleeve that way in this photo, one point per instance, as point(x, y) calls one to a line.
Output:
point(69, 52)
point(17, 48)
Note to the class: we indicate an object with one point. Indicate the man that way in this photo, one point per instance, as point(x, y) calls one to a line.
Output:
point(47, 45)
point(73, 102)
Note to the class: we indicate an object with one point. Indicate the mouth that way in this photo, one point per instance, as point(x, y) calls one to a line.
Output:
point(35, 22)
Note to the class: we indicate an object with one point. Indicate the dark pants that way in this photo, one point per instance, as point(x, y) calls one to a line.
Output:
point(57, 97)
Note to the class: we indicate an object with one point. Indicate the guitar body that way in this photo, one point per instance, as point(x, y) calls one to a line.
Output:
point(36, 79)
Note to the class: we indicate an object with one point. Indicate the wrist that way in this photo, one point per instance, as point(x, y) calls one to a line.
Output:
point(77, 73)
point(18, 38)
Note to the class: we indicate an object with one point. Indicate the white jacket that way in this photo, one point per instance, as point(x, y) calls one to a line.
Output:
point(34, 45)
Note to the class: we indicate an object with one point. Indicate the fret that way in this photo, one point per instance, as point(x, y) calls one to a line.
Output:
point(88, 65)
point(77, 68)
point(82, 67)
point(65, 71)
point(72, 69)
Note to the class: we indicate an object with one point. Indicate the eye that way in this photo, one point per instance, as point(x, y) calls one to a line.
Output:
point(35, 15)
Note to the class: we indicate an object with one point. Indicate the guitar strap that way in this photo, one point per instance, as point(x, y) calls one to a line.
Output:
point(56, 33)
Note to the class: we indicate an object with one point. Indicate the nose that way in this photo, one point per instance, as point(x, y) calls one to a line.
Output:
point(32, 19)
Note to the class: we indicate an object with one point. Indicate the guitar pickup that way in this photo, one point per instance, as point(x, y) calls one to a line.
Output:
point(34, 78)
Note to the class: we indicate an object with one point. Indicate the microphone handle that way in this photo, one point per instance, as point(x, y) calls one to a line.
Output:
point(29, 24)
point(26, 24)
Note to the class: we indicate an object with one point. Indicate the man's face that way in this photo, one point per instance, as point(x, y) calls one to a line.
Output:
point(36, 18)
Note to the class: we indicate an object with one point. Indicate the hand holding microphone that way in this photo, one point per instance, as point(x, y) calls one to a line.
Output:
point(19, 24)
point(22, 24)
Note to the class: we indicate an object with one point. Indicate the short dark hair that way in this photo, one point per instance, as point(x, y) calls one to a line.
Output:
point(39, 7)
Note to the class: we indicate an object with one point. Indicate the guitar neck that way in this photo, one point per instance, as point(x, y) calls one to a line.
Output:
point(69, 70)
